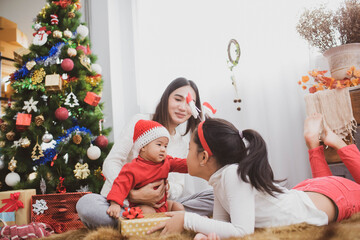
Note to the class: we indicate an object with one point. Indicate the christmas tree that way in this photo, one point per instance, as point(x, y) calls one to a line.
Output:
point(51, 132)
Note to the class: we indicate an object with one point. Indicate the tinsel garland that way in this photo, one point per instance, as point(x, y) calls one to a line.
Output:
point(50, 153)
point(44, 60)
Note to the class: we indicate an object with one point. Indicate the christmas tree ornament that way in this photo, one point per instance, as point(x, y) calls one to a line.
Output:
point(82, 30)
point(39, 120)
point(44, 97)
point(47, 137)
point(60, 187)
point(12, 164)
point(233, 62)
point(32, 176)
point(71, 100)
point(71, 52)
point(77, 139)
point(49, 145)
point(30, 64)
point(10, 136)
point(82, 48)
point(81, 171)
point(12, 179)
point(83, 189)
point(68, 34)
point(93, 80)
point(2, 163)
point(67, 64)
point(98, 173)
point(57, 34)
point(101, 141)
point(4, 126)
point(92, 99)
point(93, 152)
point(23, 121)
point(24, 142)
point(38, 76)
point(2, 144)
point(71, 15)
point(53, 82)
point(37, 26)
point(42, 186)
point(37, 152)
point(194, 110)
point(61, 114)
point(97, 68)
point(85, 61)
point(30, 105)
point(54, 19)
point(40, 37)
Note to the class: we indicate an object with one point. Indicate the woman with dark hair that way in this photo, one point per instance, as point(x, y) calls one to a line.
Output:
point(246, 194)
point(172, 111)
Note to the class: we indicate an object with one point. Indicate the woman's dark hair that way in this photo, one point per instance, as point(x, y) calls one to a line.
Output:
point(162, 113)
point(227, 147)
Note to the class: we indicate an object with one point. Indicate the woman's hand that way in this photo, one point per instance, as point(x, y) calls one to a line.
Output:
point(149, 194)
point(211, 236)
point(174, 225)
point(114, 210)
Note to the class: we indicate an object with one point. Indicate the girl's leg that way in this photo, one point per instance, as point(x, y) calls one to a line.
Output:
point(349, 154)
point(312, 130)
point(92, 208)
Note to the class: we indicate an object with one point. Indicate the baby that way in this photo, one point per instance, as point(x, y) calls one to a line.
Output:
point(152, 164)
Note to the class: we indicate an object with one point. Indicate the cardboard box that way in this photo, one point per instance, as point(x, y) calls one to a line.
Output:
point(139, 226)
point(22, 215)
point(6, 23)
point(15, 36)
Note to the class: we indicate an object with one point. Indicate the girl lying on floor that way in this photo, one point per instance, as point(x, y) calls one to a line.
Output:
point(246, 194)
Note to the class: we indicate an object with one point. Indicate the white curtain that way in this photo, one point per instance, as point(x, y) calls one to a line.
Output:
point(189, 38)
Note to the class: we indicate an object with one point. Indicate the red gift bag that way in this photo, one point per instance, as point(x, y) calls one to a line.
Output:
point(58, 210)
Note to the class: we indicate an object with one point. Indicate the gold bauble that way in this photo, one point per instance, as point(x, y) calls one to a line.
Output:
point(25, 142)
point(71, 14)
point(2, 144)
point(39, 120)
point(4, 126)
point(32, 176)
point(10, 136)
point(77, 139)
point(57, 34)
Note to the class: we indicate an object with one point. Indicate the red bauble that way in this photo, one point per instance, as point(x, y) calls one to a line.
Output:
point(61, 113)
point(82, 48)
point(67, 64)
point(101, 141)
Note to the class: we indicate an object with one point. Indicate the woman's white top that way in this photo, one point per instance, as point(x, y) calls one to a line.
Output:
point(239, 207)
point(122, 152)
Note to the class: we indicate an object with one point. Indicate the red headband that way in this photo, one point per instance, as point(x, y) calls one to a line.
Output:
point(202, 139)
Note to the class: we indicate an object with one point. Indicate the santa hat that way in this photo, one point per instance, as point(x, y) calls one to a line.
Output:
point(146, 131)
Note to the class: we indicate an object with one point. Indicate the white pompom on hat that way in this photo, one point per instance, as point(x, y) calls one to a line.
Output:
point(146, 131)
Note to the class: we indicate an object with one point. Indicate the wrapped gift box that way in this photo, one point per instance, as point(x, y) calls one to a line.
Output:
point(92, 99)
point(53, 82)
point(22, 215)
point(58, 210)
point(139, 226)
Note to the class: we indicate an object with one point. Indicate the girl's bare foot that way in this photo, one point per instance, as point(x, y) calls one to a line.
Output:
point(331, 139)
point(312, 130)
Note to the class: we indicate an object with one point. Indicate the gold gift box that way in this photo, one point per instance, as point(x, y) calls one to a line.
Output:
point(53, 82)
point(22, 215)
point(139, 226)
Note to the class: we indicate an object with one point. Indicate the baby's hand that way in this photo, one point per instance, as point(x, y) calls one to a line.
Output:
point(114, 210)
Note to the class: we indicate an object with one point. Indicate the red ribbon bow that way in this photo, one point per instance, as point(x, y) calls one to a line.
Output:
point(134, 212)
point(12, 204)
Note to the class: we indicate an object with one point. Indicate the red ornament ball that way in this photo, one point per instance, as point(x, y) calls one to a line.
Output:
point(67, 64)
point(61, 113)
point(101, 141)
point(82, 48)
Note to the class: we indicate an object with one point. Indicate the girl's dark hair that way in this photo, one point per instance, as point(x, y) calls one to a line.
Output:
point(224, 141)
point(162, 113)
